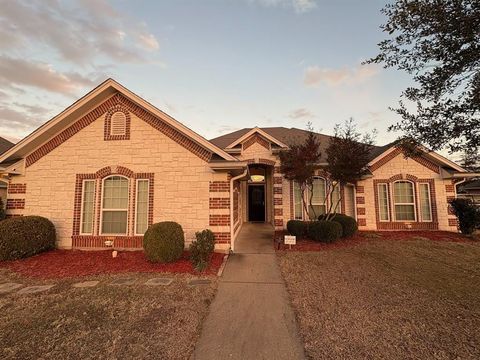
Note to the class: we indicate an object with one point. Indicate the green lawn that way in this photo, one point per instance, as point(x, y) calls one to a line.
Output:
point(387, 300)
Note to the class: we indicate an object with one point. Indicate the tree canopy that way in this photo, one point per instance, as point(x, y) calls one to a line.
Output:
point(438, 43)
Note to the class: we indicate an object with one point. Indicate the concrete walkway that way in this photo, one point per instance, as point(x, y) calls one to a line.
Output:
point(251, 317)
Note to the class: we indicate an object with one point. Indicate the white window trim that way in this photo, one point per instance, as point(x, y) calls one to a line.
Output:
point(325, 202)
point(302, 215)
point(136, 204)
point(339, 209)
point(429, 202)
point(102, 209)
point(414, 201)
point(82, 207)
point(387, 193)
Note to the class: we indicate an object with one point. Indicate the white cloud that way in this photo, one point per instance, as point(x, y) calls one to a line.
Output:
point(315, 76)
point(148, 41)
point(301, 113)
point(299, 6)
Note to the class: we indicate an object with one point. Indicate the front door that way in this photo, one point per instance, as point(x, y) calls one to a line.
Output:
point(256, 203)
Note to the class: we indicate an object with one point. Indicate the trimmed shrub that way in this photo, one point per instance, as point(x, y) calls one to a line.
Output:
point(3, 215)
point(297, 227)
point(202, 249)
point(164, 242)
point(467, 213)
point(349, 224)
point(325, 231)
point(24, 236)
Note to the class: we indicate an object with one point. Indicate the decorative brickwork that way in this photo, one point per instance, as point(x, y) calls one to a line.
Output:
point(278, 212)
point(277, 180)
point(279, 223)
point(222, 237)
point(107, 131)
point(362, 222)
point(17, 188)
point(277, 190)
point(361, 200)
point(15, 204)
point(452, 222)
point(361, 211)
point(360, 189)
point(219, 186)
point(421, 160)
point(255, 138)
point(97, 242)
point(260, 161)
point(219, 220)
point(81, 241)
point(449, 188)
point(220, 203)
point(406, 225)
point(126, 105)
point(278, 201)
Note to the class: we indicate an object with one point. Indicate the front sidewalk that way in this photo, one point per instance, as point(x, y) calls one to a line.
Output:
point(251, 316)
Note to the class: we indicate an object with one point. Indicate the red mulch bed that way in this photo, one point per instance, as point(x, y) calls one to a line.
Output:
point(364, 236)
point(76, 263)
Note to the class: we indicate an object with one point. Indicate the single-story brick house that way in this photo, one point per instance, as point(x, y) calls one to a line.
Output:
point(111, 164)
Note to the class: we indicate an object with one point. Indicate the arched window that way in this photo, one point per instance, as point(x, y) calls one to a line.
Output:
point(317, 203)
point(118, 124)
point(115, 205)
point(404, 201)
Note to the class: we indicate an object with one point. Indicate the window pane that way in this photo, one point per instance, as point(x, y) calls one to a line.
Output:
point(319, 210)
point(114, 222)
point(142, 207)
point(318, 191)
point(425, 208)
point(403, 192)
point(88, 197)
point(405, 212)
point(115, 193)
point(383, 202)
point(336, 203)
point(297, 196)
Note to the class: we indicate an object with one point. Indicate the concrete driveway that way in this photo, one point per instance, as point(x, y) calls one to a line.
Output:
point(251, 317)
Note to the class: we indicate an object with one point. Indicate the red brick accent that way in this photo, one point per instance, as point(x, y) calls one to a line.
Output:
point(219, 186)
point(261, 161)
point(108, 121)
point(450, 210)
point(361, 200)
point(17, 188)
point(406, 225)
point(219, 220)
point(118, 100)
point(277, 190)
point(98, 176)
point(360, 211)
point(119, 242)
point(362, 222)
point(360, 189)
point(450, 198)
point(276, 170)
point(450, 188)
point(220, 203)
point(255, 138)
point(278, 201)
point(222, 237)
point(277, 180)
point(278, 223)
point(15, 204)
point(292, 210)
point(278, 212)
point(8, 216)
point(452, 222)
point(421, 160)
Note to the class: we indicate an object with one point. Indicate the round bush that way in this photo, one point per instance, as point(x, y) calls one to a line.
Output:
point(164, 242)
point(24, 236)
point(297, 227)
point(325, 231)
point(349, 225)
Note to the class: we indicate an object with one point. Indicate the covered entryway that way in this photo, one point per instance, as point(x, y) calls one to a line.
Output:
point(256, 202)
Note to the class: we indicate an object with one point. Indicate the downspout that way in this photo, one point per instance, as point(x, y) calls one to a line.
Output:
point(232, 231)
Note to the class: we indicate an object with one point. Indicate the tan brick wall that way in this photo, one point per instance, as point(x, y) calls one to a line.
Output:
point(181, 186)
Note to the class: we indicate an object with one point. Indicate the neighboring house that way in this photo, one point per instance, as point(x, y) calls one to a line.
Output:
point(112, 164)
point(4, 146)
point(470, 190)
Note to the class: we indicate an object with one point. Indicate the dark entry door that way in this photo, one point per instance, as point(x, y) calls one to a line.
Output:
point(256, 203)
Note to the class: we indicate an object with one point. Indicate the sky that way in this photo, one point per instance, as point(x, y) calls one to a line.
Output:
point(214, 65)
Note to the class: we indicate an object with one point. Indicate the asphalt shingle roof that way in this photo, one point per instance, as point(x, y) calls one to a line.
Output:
point(5, 145)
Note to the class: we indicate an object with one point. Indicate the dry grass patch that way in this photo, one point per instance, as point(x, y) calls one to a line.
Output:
point(108, 322)
point(388, 300)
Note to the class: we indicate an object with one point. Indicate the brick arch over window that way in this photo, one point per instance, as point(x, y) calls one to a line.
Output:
point(391, 224)
point(107, 128)
point(260, 161)
point(96, 239)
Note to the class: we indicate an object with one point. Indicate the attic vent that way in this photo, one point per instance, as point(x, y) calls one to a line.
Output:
point(118, 124)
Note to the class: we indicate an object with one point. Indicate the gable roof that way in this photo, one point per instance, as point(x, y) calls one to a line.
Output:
point(288, 136)
point(88, 102)
point(5, 145)
point(257, 130)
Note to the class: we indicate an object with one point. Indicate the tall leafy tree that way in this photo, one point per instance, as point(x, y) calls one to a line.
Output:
point(348, 154)
point(438, 43)
point(299, 163)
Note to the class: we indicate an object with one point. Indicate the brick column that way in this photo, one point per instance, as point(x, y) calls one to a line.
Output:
point(278, 198)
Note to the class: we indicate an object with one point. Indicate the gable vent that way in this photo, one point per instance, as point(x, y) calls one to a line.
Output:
point(118, 125)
